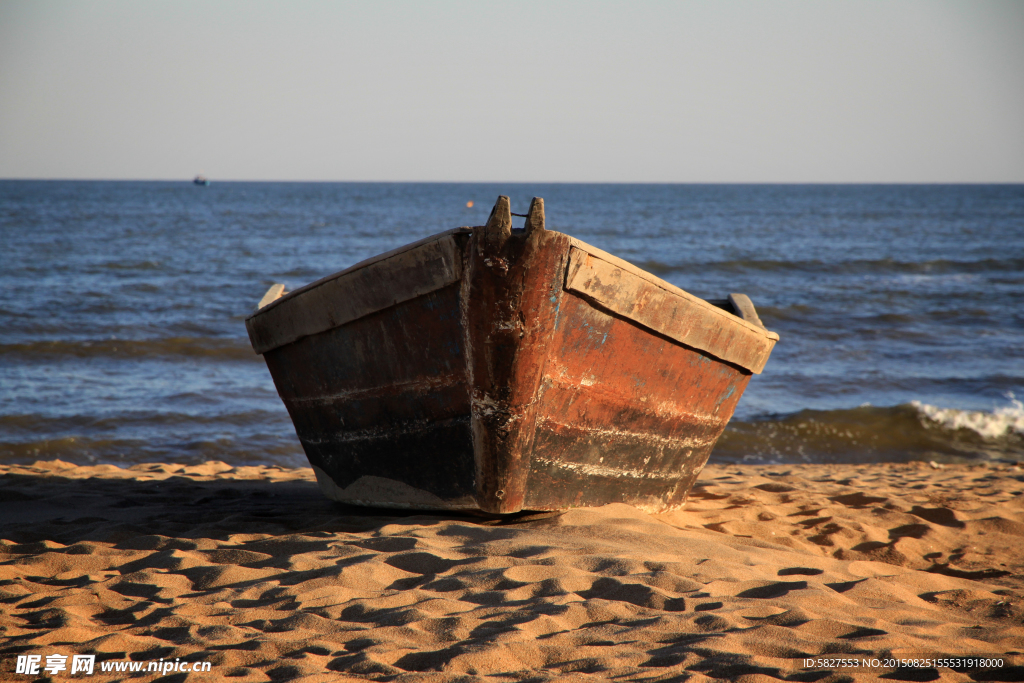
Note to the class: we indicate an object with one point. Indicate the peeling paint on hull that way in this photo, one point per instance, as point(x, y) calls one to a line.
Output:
point(504, 370)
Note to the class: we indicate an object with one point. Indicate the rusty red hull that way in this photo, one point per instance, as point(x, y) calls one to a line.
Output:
point(501, 370)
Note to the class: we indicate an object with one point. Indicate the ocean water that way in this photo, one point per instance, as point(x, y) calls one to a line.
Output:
point(900, 308)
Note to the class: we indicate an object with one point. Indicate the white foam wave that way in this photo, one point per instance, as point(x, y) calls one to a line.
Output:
point(998, 423)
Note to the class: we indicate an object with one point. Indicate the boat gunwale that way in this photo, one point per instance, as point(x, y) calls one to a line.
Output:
point(689, 321)
point(572, 243)
point(290, 325)
point(358, 266)
point(668, 287)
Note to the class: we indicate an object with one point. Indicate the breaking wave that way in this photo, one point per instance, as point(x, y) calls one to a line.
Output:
point(994, 425)
point(911, 431)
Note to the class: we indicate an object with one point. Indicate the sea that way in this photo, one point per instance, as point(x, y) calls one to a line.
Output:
point(900, 308)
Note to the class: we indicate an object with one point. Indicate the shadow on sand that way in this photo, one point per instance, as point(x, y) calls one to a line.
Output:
point(66, 510)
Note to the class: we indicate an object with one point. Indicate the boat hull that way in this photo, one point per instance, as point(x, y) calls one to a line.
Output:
point(498, 370)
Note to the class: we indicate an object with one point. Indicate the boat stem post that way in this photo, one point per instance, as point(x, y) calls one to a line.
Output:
point(535, 216)
point(498, 229)
point(503, 371)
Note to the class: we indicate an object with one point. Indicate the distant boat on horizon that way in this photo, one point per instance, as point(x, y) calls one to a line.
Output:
point(201, 180)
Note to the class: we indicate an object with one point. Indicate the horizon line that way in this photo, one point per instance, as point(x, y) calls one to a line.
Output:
point(529, 182)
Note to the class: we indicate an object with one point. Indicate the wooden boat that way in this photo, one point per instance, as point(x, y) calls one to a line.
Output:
point(499, 370)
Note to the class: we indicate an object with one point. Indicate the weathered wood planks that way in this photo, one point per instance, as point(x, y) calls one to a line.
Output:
point(498, 369)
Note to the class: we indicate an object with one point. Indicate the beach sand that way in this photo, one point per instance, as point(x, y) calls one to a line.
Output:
point(253, 570)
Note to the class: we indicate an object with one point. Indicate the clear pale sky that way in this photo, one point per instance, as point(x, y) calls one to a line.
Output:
point(782, 91)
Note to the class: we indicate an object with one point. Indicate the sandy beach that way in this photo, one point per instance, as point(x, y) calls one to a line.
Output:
point(253, 571)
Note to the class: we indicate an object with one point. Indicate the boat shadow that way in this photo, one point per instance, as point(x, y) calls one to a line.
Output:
point(69, 510)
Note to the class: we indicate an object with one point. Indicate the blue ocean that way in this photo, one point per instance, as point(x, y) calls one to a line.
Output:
point(900, 307)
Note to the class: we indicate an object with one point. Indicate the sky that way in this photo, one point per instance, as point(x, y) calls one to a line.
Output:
point(553, 91)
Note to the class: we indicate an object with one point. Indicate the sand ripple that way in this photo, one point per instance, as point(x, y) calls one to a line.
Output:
point(253, 570)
